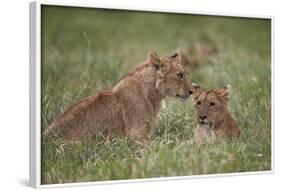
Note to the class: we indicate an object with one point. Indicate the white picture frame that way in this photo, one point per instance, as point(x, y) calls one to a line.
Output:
point(35, 93)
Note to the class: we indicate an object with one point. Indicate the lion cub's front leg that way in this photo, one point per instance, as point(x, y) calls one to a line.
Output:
point(139, 129)
point(140, 135)
point(138, 126)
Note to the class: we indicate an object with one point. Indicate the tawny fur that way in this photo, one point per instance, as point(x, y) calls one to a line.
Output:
point(130, 108)
point(215, 122)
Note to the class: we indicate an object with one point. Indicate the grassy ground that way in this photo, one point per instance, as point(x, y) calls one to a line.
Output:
point(86, 50)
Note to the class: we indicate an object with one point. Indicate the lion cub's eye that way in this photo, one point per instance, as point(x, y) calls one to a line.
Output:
point(198, 103)
point(212, 104)
point(181, 75)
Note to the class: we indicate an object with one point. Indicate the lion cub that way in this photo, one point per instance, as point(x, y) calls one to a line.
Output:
point(213, 118)
point(129, 108)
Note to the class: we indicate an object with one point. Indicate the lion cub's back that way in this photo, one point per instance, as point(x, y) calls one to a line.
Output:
point(99, 113)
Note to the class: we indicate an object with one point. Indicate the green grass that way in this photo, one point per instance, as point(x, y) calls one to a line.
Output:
point(86, 50)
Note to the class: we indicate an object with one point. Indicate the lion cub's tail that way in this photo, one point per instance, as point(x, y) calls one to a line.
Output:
point(49, 130)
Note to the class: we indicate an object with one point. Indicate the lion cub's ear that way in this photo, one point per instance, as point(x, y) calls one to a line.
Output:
point(224, 92)
point(161, 67)
point(182, 59)
point(154, 59)
point(196, 90)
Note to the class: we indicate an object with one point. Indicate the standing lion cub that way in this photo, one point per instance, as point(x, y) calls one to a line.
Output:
point(213, 118)
point(129, 108)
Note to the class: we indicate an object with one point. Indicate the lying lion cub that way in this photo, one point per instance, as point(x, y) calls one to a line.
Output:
point(213, 118)
point(129, 108)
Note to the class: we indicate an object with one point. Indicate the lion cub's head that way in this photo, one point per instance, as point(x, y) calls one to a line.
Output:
point(210, 104)
point(172, 75)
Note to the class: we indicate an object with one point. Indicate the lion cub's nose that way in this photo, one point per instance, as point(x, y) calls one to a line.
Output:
point(202, 117)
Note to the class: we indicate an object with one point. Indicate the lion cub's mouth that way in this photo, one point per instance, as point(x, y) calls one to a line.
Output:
point(206, 124)
point(182, 97)
point(203, 122)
